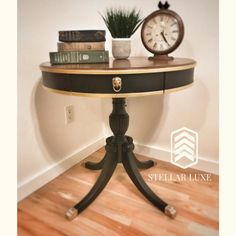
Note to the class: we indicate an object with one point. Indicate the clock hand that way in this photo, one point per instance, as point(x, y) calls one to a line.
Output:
point(163, 36)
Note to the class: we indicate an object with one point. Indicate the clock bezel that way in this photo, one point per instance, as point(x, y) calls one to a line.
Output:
point(180, 36)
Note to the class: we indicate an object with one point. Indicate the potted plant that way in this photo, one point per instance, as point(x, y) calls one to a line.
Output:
point(122, 24)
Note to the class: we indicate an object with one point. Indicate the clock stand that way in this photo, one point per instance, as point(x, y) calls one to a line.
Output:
point(161, 58)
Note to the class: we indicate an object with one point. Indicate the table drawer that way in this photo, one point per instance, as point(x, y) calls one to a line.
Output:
point(177, 79)
point(130, 83)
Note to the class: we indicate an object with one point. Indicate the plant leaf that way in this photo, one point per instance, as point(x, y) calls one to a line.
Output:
point(122, 23)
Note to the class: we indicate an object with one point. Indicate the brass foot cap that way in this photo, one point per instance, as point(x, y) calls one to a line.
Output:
point(170, 211)
point(71, 213)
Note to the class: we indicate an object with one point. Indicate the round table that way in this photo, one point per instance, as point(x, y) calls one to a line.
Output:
point(120, 79)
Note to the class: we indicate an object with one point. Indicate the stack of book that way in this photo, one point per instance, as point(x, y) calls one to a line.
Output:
point(80, 47)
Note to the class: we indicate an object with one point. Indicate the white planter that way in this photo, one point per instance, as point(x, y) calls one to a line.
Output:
point(121, 48)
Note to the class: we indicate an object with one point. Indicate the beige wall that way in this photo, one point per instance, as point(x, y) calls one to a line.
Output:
point(44, 139)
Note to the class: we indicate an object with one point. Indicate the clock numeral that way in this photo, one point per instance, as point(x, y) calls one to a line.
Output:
point(150, 40)
point(174, 23)
point(161, 18)
point(154, 20)
point(150, 27)
point(172, 38)
point(155, 45)
point(161, 47)
point(175, 31)
point(148, 34)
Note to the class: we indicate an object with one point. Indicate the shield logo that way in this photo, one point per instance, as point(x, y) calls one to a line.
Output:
point(184, 147)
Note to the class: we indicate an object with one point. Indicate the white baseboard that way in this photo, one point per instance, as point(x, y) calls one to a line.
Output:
point(203, 164)
point(42, 178)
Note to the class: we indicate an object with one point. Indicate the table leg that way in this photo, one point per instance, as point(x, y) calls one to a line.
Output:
point(144, 164)
point(94, 165)
point(131, 168)
point(140, 164)
point(109, 165)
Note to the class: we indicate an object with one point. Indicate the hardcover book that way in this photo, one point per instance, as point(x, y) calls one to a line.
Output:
point(79, 57)
point(89, 46)
point(82, 36)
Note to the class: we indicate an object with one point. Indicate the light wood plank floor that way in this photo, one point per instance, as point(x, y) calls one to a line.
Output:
point(121, 209)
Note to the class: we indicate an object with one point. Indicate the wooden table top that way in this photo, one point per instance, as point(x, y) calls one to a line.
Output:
point(133, 65)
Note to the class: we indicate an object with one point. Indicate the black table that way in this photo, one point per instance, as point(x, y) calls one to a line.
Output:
point(120, 79)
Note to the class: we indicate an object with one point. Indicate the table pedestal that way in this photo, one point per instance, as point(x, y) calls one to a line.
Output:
point(119, 149)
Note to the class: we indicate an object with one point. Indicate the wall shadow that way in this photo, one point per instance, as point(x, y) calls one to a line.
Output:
point(146, 117)
point(153, 118)
point(56, 139)
point(39, 95)
point(142, 112)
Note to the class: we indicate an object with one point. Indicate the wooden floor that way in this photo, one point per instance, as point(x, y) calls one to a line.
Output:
point(121, 209)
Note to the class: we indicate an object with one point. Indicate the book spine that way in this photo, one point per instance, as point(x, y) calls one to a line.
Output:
point(82, 36)
point(79, 57)
point(94, 46)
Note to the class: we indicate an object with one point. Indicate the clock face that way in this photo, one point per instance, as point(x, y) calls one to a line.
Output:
point(162, 32)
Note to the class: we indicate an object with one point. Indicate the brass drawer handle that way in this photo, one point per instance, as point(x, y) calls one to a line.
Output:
point(117, 83)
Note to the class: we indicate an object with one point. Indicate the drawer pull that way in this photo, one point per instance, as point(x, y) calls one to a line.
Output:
point(116, 83)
